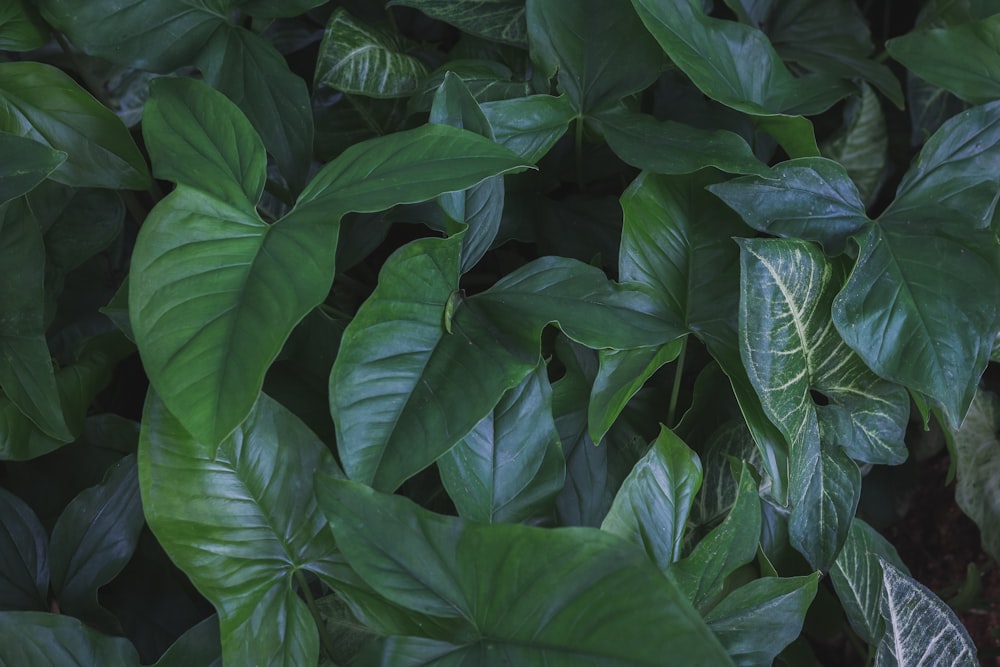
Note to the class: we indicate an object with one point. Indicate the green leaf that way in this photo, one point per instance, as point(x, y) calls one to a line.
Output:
point(830, 37)
point(26, 374)
point(198, 647)
point(20, 27)
point(198, 139)
point(496, 20)
point(94, 538)
point(857, 578)
point(480, 208)
point(513, 606)
point(529, 126)
point(356, 58)
point(862, 147)
point(510, 467)
point(209, 330)
point(277, 8)
point(758, 620)
point(976, 454)
point(239, 519)
point(920, 628)
point(77, 384)
point(36, 639)
point(175, 34)
point(24, 548)
point(810, 198)
point(41, 103)
point(674, 148)
point(790, 350)
point(652, 506)
point(581, 39)
point(731, 544)
point(35, 162)
point(621, 375)
point(941, 56)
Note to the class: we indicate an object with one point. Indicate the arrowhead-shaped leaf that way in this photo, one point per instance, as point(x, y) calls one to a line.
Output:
point(529, 126)
point(652, 506)
point(513, 605)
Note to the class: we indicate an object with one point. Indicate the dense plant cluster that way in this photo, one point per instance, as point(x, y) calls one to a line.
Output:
point(488, 332)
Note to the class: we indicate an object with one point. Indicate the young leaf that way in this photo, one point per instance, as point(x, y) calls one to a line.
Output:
point(651, 507)
point(857, 578)
point(809, 198)
point(497, 20)
point(758, 620)
point(674, 148)
point(941, 56)
point(976, 454)
point(35, 161)
point(581, 39)
point(44, 104)
point(356, 58)
point(24, 563)
point(420, 560)
point(510, 467)
point(235, 518)
point(36, 639)
point(920, 628)
point(731, 544)
point(94, 538)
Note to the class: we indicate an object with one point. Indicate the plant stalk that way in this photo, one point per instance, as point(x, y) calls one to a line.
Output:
point(676, 389)
point(579, 153)
point(324, 639)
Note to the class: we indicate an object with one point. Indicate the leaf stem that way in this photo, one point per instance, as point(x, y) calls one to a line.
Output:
point(579, 153)
point(676, 389)
point(324, 639)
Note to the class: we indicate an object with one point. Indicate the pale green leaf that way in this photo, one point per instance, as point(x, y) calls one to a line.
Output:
point(977, 460)
point(862, 147)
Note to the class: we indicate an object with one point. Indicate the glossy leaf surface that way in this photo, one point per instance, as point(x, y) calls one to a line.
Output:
point(35, 639)
point(420, 560)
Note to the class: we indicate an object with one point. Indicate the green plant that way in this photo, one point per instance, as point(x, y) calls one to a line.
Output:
point(624, 286)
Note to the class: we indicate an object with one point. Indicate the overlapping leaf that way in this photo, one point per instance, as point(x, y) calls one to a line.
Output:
point(791, 349)
point(976, 457)
point(44, 104)
point(215, 291)
point(24, 563)
point(651, 508)
point(498, 20)
point(529, 126)
point(497, 580)
point(35, 161)
point(240, 519)
point(862, 146)
point(510, 467)
point(20, 27)
point(36, 639)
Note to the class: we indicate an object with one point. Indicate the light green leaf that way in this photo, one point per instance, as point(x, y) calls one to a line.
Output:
point(810, 198)
point(652, 506)
point(920, 628)
point(24, 549)
point(731, 544)
point(977, 459)
point(580, 39)
point(600, 614)
point(862, 147)
point(357, 58)
point(510, 467)
point(941, 56)
point(94, 538)
point(198, 139)
point(211, 319)
point(857, 578)
point(239, 519)
point(36, 639)
point(758, 620)
point(529, 126)
point(35, 161)
point(790, 350)
point(668, 147)
point(496, 20)
point(20, 27)
point(42, 103)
